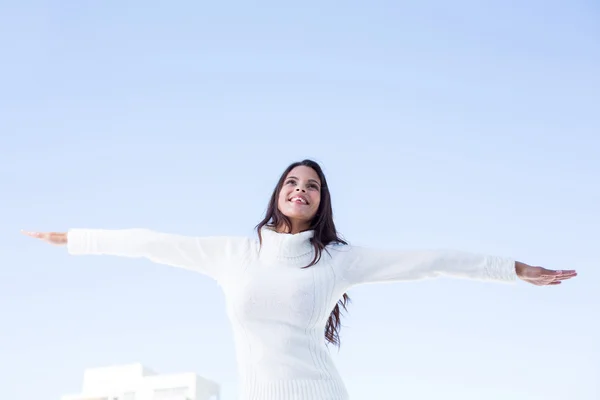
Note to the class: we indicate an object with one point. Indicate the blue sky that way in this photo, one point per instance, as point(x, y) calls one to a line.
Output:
point(470, 125)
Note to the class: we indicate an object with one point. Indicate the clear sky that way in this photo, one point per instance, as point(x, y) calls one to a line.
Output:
point(465, 125)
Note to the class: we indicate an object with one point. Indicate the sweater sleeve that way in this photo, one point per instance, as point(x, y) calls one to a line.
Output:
point(360, 265)
point(211, 256)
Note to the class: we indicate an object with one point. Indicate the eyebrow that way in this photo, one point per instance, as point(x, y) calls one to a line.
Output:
point(310, 180)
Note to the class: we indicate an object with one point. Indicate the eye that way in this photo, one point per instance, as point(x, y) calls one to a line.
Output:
point(290, 181)
point(313, 186)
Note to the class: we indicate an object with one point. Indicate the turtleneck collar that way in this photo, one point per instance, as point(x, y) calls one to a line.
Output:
point(287, 247)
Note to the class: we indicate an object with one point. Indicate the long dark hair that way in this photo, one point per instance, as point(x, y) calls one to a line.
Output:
point(325, 233)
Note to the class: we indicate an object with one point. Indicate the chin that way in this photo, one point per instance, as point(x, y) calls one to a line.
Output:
point(297, 217)
point(302, 218)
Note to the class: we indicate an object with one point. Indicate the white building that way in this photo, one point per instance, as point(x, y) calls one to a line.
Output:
point(135, 382)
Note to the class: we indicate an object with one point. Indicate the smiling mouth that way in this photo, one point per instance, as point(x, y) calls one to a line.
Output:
point(298, 200)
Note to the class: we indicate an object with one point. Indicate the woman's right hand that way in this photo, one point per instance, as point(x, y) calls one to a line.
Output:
point(55, 238)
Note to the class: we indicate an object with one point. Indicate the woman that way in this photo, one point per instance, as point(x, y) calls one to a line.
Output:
point(282, 290)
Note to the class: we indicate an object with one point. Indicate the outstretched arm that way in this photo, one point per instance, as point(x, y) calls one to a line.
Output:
point(362, 265)
point(208, 255)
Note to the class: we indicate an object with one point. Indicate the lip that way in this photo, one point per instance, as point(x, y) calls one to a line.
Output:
point(299, 196)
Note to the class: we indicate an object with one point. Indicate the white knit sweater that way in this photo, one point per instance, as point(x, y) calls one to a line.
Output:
point(278, 310)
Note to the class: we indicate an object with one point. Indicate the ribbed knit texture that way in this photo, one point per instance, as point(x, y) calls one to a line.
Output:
point(278, 310)
point(296, 390)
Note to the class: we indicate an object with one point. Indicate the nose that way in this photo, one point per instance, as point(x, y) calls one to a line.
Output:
point(298, 189)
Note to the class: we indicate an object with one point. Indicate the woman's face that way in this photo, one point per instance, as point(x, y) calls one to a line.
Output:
point(300, 196)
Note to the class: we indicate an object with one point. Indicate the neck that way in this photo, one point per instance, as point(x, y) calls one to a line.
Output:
point(297, 227)
point(290, 249)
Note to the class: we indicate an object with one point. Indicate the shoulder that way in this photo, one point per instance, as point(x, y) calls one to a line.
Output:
point(344, 254)
point(246, 247)
point(224, 248)
point(340, 248)
point(346, 260)
point(239, 244)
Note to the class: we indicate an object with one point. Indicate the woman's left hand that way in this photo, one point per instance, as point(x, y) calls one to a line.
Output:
point(540, 276)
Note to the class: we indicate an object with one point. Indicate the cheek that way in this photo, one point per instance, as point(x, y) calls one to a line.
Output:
point(316, 202)
point(282, 201)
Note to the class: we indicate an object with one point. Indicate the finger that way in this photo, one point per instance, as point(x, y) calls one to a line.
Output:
point(39, 235)
point(556, 278)
point(563, 277)
point(568, 272)
point(569, 276)
point(555, 283)
point(550, 273)
point(32, 234)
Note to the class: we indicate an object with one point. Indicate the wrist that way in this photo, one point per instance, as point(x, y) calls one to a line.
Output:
point(520, 268)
